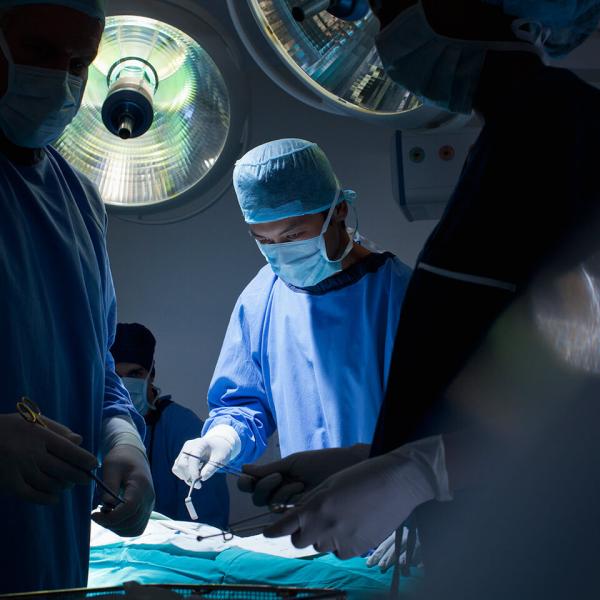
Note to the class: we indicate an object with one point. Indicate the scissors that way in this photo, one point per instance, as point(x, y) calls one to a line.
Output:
point(31, 412)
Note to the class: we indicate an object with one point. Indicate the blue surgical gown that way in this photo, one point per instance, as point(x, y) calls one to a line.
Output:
point(58, 318)
point(164, 440)
point(312, 363)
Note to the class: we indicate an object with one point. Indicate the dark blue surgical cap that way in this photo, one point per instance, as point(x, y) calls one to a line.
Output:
point(134, 343)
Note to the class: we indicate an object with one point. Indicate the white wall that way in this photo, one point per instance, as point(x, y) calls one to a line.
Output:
point(182, 280)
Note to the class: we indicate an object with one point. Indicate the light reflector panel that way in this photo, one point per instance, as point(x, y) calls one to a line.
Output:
point(336, 58)
point(191, 116)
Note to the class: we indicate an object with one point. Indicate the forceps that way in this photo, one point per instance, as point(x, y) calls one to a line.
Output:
point(188, 500)
point(31, 412)
point(229, 533)
point(224, 468)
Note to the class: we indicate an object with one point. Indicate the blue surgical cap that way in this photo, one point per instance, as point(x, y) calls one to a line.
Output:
point(285, 178)
point(94, 8)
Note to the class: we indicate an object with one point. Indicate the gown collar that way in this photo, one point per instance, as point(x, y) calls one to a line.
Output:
point(369, 264)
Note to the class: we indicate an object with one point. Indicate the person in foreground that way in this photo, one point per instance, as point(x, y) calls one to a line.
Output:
point(482, 258)
point(58, 313)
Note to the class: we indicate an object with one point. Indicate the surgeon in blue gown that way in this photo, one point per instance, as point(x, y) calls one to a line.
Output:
point(168, 426)
point(309, 343)
point(57, 313)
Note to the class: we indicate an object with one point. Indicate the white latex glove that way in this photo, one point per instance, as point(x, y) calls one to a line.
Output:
point(279, 481)
point(38, 464)
point(216, 449)
point(125, 469)
point(357, 508)
point(384, 555)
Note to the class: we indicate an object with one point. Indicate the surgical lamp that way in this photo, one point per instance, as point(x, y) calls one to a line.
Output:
point(155, 117)
point(128, 110)
point(328, 59)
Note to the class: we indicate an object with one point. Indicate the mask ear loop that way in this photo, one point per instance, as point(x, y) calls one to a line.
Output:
point(350, 244)
point(150, 372)
point(532, 32)
point(355, 235)
point(150, 384)
point(331, 209)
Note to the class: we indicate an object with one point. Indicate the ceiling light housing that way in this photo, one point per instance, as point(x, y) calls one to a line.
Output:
point(165, 112)
point(331, 64)
point(128, 110)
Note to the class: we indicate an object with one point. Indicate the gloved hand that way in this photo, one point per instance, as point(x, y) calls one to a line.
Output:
point(279, 481)
point(385, 555)
point(38, 464)
point(125, 469)
point(357, 508)
point(216, 449)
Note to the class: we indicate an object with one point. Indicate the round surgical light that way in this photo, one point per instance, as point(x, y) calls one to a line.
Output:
point(336, 58)
point(155, 116)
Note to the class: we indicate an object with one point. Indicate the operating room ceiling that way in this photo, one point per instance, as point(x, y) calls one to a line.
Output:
point(191, 58)
point(166, 110)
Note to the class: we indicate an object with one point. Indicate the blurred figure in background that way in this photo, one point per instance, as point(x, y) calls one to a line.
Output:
point(168, 426)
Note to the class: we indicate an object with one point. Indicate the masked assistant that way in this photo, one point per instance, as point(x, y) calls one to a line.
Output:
point(445, 71)
point(38, 103)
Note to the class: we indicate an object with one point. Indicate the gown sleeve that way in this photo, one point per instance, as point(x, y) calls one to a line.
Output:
point(237, 395)
point(116, 398)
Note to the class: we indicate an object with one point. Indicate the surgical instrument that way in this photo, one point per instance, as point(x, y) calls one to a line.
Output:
point(31, 412)
point(224, 468)
point(230, 532)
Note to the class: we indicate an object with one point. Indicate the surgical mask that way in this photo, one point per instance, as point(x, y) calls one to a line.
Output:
point(38, 104)
point(305, 263)
point(138, 392)
point(444, 71)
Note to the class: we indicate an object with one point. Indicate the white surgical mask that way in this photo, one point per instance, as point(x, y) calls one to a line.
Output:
point(38, 103)
point(444, 71)
point(305, 263)
point(138, 392)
